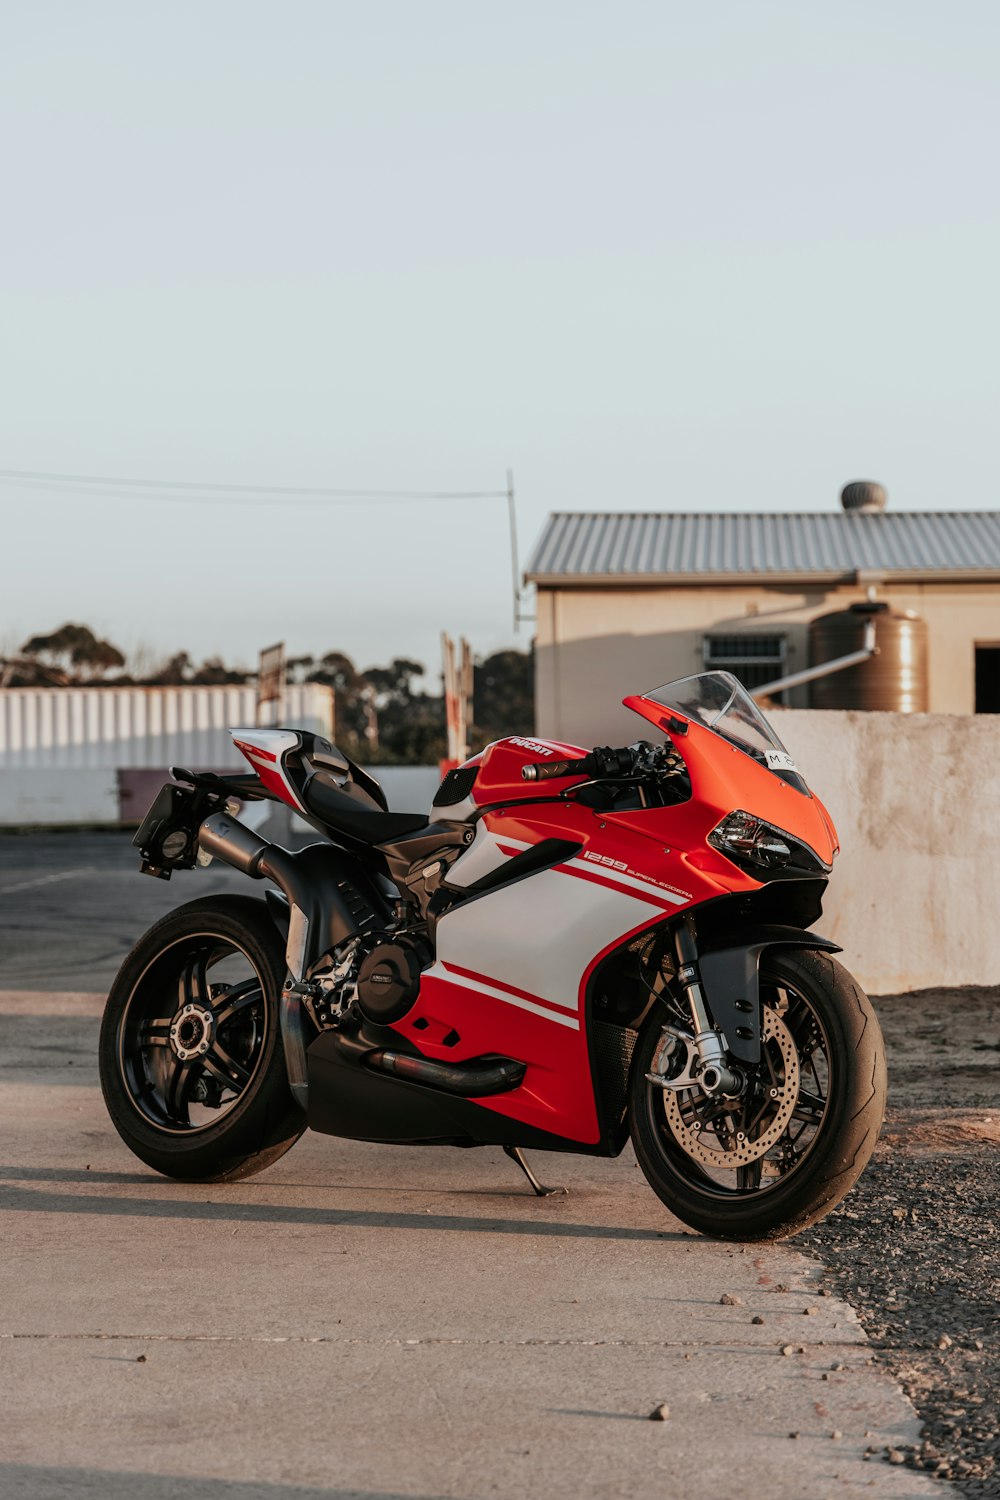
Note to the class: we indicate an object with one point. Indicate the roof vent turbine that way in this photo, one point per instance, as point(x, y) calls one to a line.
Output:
point(863, 496)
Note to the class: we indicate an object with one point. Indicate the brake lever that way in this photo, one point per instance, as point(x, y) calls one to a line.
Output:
point(567, 792)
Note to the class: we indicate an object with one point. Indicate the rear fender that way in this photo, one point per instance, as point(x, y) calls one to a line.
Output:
point(279, 911)
point(730, 981)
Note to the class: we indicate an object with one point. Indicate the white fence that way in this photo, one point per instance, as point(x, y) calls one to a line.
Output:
point(63, 751)
point(110, 727)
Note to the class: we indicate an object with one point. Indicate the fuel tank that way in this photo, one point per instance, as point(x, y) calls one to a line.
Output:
point(499, 778)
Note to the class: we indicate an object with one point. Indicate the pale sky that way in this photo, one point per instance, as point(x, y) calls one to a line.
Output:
point(650, 255)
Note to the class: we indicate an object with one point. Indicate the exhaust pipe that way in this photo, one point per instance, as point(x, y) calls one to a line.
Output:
point(226, 839)
point(231, 841)
point(468, 1080)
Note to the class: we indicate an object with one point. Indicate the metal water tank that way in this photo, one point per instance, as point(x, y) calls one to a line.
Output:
point(894, 679)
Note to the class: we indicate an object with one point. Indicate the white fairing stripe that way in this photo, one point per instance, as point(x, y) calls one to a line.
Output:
point(274, 741)
point(537, 937)
point(482, 856)
point(594, 867)
point(271, 742)
point(438, 972)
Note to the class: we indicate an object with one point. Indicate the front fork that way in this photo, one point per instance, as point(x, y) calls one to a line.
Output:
point(706, 1065)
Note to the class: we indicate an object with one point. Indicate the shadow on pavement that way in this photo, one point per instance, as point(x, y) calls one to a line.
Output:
point(33, 1482)
point(76, 1174)
point(16, 1199)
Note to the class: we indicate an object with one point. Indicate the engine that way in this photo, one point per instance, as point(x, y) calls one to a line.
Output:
point(389, 978)
point(377, 974)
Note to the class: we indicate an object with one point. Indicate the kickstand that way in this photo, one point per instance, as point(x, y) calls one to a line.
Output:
point(514, 1152)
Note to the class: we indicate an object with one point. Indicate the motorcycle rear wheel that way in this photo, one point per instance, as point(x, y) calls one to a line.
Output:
point(818, 1098)
point(191, 1059)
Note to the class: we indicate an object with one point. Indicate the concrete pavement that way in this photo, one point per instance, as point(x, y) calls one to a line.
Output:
point(376, 1321)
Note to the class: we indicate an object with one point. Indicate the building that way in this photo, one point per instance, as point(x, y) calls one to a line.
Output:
point(627, 601)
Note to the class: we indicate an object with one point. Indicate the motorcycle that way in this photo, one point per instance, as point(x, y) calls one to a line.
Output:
point(574, 949)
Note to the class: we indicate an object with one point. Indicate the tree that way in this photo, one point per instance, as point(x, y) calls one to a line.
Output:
point(503, 696)
point(213, 672)
point(339, 672)
point(172, 672)
point(75, 652)
point(297, 668)
point(394, 684)
point(380, 717)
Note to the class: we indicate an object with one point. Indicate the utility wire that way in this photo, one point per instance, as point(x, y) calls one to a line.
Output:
point(193, 492)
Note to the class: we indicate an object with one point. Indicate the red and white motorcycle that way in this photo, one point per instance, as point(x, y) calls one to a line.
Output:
point(572, 949)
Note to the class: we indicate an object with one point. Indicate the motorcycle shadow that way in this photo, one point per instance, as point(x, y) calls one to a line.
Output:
point(102, 1484)
point(38, 1200)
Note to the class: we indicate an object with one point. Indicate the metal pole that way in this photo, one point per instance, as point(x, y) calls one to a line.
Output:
point(825, 669)
point(513, 550)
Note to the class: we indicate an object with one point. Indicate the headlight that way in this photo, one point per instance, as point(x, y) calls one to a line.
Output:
point(759, 847)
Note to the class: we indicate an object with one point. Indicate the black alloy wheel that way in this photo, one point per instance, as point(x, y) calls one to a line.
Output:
point(192, 1065)
point(779, 1157)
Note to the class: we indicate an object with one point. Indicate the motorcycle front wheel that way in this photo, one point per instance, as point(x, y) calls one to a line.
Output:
point(775, 1160)
point(191, 1059)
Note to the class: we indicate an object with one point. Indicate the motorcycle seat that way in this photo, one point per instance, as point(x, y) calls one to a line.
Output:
point(356, 816)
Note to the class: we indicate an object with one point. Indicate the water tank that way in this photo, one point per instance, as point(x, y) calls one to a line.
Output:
point(895, 679)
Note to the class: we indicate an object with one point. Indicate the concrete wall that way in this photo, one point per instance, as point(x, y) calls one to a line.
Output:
point(594, 645)
point(44, 795)
point(916, 799)
point(408, 789)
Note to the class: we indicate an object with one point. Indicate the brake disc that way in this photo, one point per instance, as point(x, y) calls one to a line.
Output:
point(694, 1135)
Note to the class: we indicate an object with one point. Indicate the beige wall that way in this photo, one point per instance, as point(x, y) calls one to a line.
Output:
point(597, 644)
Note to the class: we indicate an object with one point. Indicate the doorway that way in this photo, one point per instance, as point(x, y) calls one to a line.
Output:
point(988, 679)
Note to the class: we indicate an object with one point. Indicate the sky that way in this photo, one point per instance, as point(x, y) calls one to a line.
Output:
point(647, 255)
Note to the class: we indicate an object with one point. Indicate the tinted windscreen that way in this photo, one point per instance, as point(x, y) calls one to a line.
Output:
point(720, 703)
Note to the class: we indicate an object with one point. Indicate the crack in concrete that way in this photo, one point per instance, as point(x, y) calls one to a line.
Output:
point(401, 1343)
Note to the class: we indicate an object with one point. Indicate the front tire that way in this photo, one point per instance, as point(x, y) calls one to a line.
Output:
point(191, 1059)
point(804, 1132)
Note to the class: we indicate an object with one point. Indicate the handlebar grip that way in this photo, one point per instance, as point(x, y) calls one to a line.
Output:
point(546, 770)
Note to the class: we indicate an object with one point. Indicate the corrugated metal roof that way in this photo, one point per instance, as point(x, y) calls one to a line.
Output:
point(647, 545)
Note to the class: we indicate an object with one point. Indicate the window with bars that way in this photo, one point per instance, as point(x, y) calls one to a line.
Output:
point(753, 659)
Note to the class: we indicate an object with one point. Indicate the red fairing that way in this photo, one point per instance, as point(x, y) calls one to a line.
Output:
point(265, 749)
point(724, 778)
point(633, 869)
point(623, 881)
point(501, 763)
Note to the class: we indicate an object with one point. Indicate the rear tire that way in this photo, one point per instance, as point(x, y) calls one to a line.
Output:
point(804, 1187)
point(193, 1071)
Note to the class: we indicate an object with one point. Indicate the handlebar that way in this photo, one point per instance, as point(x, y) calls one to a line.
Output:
point(602, 762)
point(545, 770)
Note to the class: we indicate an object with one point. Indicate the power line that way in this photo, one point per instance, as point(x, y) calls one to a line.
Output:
point(195, 492)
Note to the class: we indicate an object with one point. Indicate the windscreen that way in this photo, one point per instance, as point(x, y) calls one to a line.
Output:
point(720, 703)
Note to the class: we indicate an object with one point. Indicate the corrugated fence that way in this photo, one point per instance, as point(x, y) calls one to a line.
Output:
point(108, 727)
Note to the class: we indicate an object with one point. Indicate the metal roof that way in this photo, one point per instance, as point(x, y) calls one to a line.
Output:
point(661, 546)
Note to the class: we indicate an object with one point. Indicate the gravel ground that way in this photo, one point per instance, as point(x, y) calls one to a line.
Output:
point(915, 1247)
